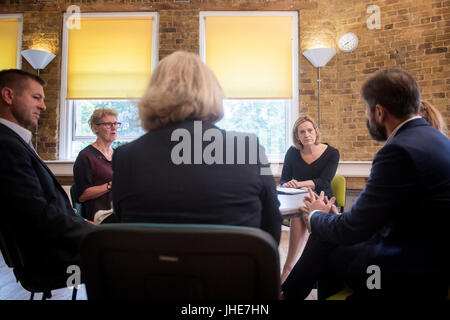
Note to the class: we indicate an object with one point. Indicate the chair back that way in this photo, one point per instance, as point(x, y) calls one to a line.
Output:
point(179, 262)
point(78, 206)
point(10, 248)
point(338, 187)
point(15, 258)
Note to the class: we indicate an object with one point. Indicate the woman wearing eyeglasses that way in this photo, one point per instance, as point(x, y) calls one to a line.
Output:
point(92, 170)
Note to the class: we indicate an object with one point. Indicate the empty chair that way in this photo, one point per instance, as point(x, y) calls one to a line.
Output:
point(338, 186)
point(30, 279)
point(180, 261)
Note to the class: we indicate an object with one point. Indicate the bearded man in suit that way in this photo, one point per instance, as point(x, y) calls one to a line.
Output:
point(393, 243)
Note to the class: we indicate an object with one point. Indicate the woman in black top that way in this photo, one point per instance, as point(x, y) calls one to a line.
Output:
point(92, 170)
point(308, 164)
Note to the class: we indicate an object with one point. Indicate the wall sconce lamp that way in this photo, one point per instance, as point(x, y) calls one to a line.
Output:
point(38, 59)
point(319, 57)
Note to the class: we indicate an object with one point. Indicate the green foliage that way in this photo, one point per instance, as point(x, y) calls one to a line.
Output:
point(128, 115)
point(265, 118)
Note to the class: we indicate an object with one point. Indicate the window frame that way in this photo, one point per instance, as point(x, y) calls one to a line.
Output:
point(66, 121)
point(292, 112)
point(19, 17)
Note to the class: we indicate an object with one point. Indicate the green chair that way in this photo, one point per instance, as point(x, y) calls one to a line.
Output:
point(78, 206)
point(338, 188)
point(180, 262)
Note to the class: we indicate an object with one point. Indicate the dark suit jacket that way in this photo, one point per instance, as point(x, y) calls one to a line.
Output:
point(149, 187)
point(403, 213)
point(37, 208)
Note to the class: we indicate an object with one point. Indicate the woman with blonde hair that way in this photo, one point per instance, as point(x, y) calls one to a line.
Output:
point(176, 172)
point(92, 171)
point(308, 163)
point(433, 116)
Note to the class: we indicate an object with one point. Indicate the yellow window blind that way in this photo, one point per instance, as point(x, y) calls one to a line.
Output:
point(109, 58)
point(9, 38)
point(251, 55)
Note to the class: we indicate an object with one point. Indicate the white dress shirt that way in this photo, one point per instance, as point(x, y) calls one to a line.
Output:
point(25, 134)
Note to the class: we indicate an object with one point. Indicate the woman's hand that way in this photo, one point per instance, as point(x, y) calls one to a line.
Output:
point(292, 184)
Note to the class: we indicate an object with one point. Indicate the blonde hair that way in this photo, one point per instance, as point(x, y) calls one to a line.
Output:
point(297, 123)
point(98, 115)
point(181, 87)
point(433, 116)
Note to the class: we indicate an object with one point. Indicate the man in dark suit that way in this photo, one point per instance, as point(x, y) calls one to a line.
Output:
point(394, 241)
point(34, 205)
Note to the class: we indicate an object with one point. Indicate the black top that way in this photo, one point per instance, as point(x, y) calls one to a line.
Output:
point(321, 171)
point(91, 169)
point(149, 185)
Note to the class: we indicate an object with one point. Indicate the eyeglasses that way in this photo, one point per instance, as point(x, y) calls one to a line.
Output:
point(110, 124)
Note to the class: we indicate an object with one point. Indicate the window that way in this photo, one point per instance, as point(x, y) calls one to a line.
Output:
point(11, 40)
point(107, 62)
point(255, 58)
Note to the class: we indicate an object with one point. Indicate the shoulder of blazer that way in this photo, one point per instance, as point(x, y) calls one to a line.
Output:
point(12, 137)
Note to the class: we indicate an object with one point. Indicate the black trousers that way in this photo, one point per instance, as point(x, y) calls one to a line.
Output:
point(335, 267)
point(323, 263)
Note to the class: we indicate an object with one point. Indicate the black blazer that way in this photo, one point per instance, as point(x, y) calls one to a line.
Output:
point(149, 187)
point(403, 213)
point(37, 208)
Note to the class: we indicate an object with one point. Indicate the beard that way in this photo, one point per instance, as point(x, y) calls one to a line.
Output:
point(377, 132)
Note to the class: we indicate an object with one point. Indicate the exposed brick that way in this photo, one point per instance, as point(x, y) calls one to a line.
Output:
point(436, 50)
point(414, 37)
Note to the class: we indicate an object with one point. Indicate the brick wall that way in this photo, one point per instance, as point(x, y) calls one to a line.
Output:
point(414, 35)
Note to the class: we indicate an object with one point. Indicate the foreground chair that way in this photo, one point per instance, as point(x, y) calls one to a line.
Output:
point(338, 187)
point(177, 262)
point(29, 279)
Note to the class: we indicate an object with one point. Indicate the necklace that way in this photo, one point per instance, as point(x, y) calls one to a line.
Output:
point(106, 152)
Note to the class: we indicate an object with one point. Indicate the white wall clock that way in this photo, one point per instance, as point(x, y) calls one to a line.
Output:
point(348, 42)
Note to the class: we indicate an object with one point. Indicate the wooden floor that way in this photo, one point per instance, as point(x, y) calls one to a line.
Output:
point(11, 290)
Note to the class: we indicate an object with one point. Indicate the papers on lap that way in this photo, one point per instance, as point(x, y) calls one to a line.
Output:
point(101, 215)
point(290, 190)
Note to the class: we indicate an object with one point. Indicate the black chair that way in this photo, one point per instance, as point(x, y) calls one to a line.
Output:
point(78, 206)
point(179, 262)
point(31, 280)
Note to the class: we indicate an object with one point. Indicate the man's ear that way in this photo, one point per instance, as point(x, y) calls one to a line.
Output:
point(7, 95)
point(380, 113)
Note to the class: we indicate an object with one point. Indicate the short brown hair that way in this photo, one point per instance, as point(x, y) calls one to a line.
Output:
point(98, 114)
point(394, 89)
point(15, 79)
point(297, 123)
point(181, 87)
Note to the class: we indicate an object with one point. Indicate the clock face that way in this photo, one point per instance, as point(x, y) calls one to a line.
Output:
point(348, 42)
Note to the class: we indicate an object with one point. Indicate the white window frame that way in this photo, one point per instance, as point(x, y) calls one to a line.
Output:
point(19, 17)
point(66, 110)
point(293, 112)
